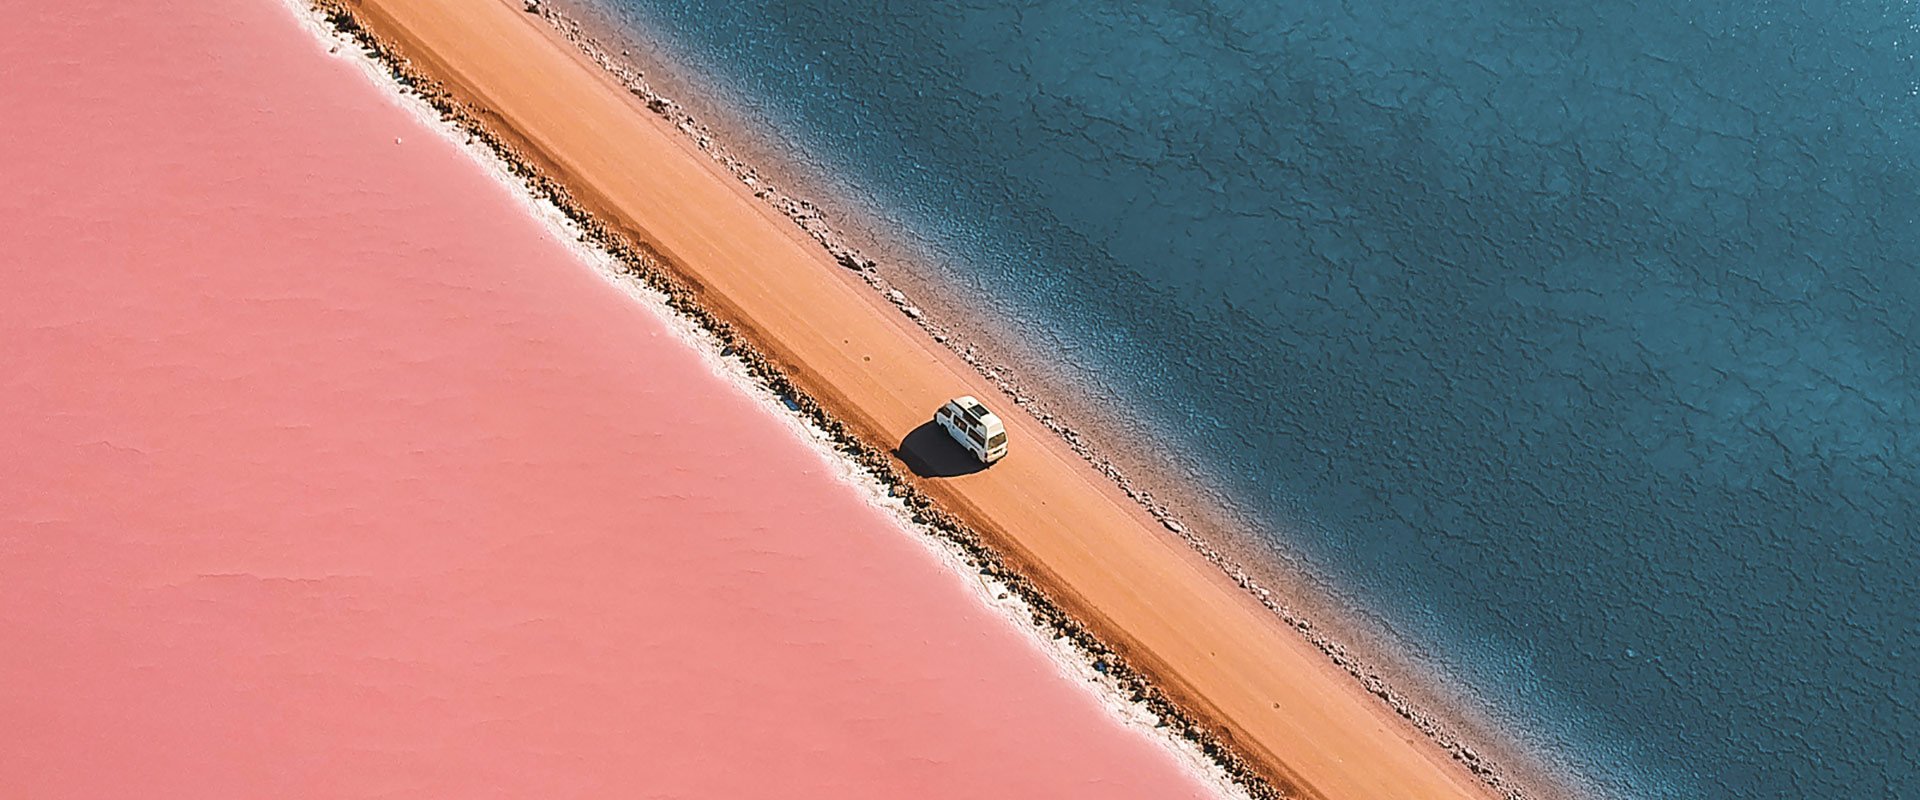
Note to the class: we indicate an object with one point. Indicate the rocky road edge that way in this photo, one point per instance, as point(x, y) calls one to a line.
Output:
point(638, 261)
point(809, 218)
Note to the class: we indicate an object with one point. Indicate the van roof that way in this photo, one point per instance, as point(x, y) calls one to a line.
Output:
point(977, 413)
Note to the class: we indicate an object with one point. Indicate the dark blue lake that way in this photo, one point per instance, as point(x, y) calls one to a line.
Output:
point(1575, 343)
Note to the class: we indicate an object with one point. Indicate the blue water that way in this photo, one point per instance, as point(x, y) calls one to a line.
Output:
point(1575, 342)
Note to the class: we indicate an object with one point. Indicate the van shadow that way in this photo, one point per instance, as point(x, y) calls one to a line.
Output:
point(931, 453)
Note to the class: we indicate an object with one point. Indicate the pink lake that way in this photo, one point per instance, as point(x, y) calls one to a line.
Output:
point(330, 473)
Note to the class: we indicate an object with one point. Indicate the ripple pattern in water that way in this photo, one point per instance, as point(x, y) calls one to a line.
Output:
point(1574, 341)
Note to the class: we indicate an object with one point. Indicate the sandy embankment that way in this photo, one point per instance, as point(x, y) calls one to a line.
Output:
point(1214, 649)
point(333, 472)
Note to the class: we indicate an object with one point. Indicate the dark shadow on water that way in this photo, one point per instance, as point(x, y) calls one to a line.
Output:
point(931, 453)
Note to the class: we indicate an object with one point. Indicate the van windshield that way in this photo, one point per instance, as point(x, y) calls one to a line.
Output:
point(997, 440)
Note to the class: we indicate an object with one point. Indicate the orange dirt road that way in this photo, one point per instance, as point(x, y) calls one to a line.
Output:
point(1215, 649)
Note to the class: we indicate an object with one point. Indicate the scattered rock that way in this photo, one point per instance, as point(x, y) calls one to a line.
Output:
point(644, 265)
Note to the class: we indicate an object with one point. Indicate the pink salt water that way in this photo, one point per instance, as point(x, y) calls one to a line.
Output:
point(329, 473)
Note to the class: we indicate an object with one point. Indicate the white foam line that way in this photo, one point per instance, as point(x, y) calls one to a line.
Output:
point(1071, 663)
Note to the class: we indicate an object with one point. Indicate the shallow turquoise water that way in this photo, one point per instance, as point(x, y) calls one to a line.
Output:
point(1573, 341)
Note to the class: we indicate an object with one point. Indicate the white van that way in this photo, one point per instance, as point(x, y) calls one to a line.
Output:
point(974, 427)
